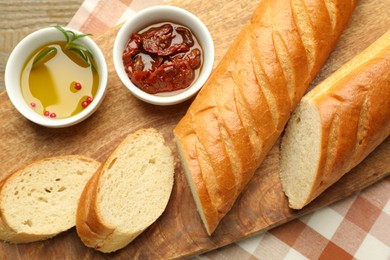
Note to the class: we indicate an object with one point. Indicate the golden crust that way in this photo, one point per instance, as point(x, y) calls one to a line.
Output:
point(91, 230)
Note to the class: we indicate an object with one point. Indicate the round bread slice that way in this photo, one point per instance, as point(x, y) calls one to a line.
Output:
point(128, 193)
point(40, 200)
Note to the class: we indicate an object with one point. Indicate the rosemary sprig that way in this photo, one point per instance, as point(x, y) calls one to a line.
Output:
point(81, 51)
point(76, 48)
point(44, 55)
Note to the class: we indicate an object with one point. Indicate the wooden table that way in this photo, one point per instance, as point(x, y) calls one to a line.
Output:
point(178, 232)
point(21, 17)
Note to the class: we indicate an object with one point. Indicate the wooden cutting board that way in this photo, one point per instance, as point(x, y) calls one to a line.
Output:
point(179, 231)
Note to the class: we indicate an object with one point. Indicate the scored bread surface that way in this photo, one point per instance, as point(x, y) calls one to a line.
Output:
point(128, 193)
point(40, 200)
point(242, 109)
point(337, 125)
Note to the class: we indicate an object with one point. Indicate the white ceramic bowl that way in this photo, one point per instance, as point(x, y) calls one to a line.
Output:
point(157, 14)
point(15, 65)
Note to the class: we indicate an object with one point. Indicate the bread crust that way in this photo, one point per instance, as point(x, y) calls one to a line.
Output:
point(242, 109)
point(91, 230)
point(354, 107)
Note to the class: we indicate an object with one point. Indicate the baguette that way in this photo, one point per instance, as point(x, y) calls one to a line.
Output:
point(337, 125)
point(240, 112)
point(127, 194)
point(40, 200)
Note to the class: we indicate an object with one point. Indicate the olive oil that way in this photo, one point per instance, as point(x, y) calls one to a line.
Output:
point(59, 85)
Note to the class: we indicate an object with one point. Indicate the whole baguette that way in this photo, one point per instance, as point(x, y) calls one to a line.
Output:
point(337, 125)
point(242, 109)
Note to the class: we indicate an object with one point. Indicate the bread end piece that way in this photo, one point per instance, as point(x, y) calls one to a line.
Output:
point(337, 125)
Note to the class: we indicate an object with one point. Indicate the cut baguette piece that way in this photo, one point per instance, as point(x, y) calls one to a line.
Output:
point(128, 193)
point(40, 200)
point(337, 125)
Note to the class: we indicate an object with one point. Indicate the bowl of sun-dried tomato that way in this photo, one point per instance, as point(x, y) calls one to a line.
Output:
point(163, 54)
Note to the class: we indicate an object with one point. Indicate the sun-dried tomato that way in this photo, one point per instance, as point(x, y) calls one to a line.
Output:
point(162, 58)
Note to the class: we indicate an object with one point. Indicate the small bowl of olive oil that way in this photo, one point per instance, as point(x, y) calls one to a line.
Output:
point(56, 77)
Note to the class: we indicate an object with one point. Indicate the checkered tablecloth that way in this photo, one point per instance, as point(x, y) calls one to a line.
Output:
point(356, 227)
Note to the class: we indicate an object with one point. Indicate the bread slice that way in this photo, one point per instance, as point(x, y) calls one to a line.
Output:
point(337, 124)
point(128, 193)
point(40, 200)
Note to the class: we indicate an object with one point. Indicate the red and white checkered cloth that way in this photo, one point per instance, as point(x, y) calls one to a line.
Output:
point(357, 227)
